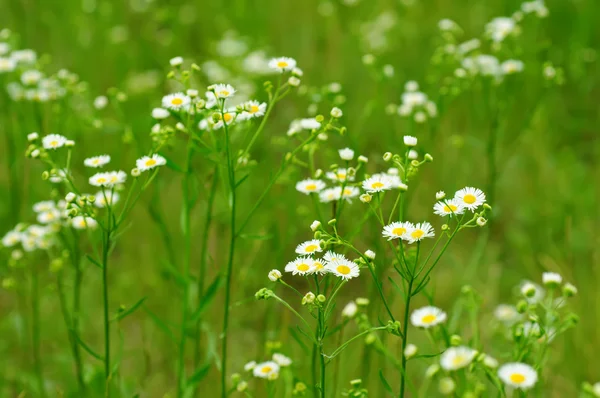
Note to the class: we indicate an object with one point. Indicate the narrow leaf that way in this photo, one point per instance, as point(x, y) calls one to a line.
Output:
point(96, 263)
point(386, 385)
point(129, 311)
point(209, 295)
point(86, 347)
point(198, 375)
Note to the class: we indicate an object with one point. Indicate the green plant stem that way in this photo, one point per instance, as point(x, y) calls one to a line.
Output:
point(105, 250)
point(35, 331)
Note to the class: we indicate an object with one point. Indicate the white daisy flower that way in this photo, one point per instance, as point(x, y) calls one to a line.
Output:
point(319, 267)
point(81, 222)
point(343, 268)
point(97, 161)
point(223, 90)
point(377, 183)
point(332, 256)
point(340, 175)
point(309, 186)
point(47, 217)
point(274, 275)
point(11, 238)
point(346, 154)
point(396, 230)
point(409, 140)
point(266, 370)
point(160, 113)
point(309, 247)
point(499, 28)
point(103, 197)
point(31, 77)
point(507, 313)
point(100, 102)
point(176, 101)
point(249, 366)
point(149, 162)
point(551, 279)
point(330, 194)
point(470, 198)
point(427, 317)
point(455, 358)
point(108, 179)
point(54, 141)
point(419, 232)
point(229, 117)
point(7, 64)
point(45, 205)
point(350, 193)
point(281, 360)
point(511, 66)
point(518, 375)
point(176, 61)
point(300, 266)
point(448, 208)
point(350, 310)
point(282, 64)
point(253, 109)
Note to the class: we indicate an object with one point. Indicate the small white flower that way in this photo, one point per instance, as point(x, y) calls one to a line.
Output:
point(410, 140)
point(100, 102)
point(370, 254)
point(339, 175)
point(315, 225)
point(471, 198)
point(413, 155)
point(103, 197)
point(528, 289)
point(499, 28)
point(281, 360)
point(350, 310)
point(377, 183)
point(511, 66)
point(343, 268)
point(518, 375)
point(410, 350)
point(419, 232)
point(332, 256)
point(446, 386)
point(440, 195)
point(253, 109)
point(160, 113)
point(489, 361)
point(49, 216)
point(346, 154)
point(274, 275)
point(108, 179)
point(294, 81)
point(32, 137)
point(31, 77)
point(7, 65)
point(149, 162)
point(507, 313)
point(309, 186)
point(448, 208)
point(551, 279)
point(336, 113)
point(318, 268)
point(45, 205)
point(223, 90)
point(481, 221)
point(427, 317)
point(300, 266)
point(53, 141)
point(266, 370)
point(411, 86)
point(330, 194)
point(309, 247)
point(455, 358)
point(282, 64)
point(97, 161)
point(11, 238)
point(397, 230)
point(81, 222)
point(176, 61)
point(176, 101)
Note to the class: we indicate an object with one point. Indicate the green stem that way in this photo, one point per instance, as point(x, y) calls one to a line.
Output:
point(35, 331)
point(405, 337)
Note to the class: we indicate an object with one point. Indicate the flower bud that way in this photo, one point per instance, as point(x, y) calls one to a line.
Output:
point(135, 172)
point(455, 340)
point(551, 279)
point(440, 195)
point(528, 289)
point(362, 301)
point(481, 221)
point(336, 112)
point(274, 275)
point(321, 298)
point(294, 81)
point(370, 254)
point(446, 386)
point(176, 61)
point(410, 351)
point(569, 290)
point(315, 225)
point(432, 370)
point(363, 159)
point(428, 158)
point(32, 137)
point(409, 140)
point(366, 198)
point(35, 153)
point(308, 298)
point(70, 197)
point(387, 156)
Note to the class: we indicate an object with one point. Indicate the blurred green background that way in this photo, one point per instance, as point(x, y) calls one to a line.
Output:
point(547, 191)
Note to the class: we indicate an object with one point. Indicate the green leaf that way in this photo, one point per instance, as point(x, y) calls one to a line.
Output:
point(427, 355)
point(421, 286)
point(96, 263)
point(161, 324)
point(198, 375)
point(172, 165)
point(129, 311)
point(241, 180)
point(386, 385)
point(86, 347)
point(209, 295)
point(296, 337)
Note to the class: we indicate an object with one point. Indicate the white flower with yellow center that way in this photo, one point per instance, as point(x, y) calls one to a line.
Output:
point(339, 175)
point(330, 194)
point(108, 179)
point(518, 375)
point(377, 183)
point(300, 266)
point(309, 186)
point(350, 310)
point(223, 91)
point(332, 256)
point(45, 205)
point(54, 141)
point(149, 162)
point(282, 64)
point(350, 193)
point(427, 317)
point(82, 222)
point(319, 267)
point(103, 197)
point(419, 232)
point(48, 217)
point(448, 208)
point(253, 109)
point(455, 358)
point(511, 66)
point(343, 268)
point(11, 238)
point(7, 64)
point(309, 247)
point(396, 230)
point(507, 313)
point(281, 360)
point(176, 101)
point(471, 198)
point(97, 161)
point(266, 370)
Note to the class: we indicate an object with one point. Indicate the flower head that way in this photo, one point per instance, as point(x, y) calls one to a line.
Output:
point(149, 162)
point(54, 141)
point(346, 154)
point(448, 208)
point(282, 64)
point(457, 357)
point(266, 370)
point(397, 230)
point(309, 247)
point(419, 232)
point(281, 360)
point(108, 179)
point(300, 266)
point(427, 317)
point(343, 268)
point(223, 90)
point(97, 161)
point(81, 222)
point(377, 183)
point(253, 109)
point(107, 196)
point(309, 186)
point(176, 101)
point(470, 198)
point(518, 375)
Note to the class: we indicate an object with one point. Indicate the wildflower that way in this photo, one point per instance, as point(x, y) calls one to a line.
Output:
point(396, 230)
point(266, 370)
point(223, 90)
point(410, 351)
point(100, 102)
point(410, 140)
point(339, 175)
point(82, 222)
point(377, 183)
point(427, 317)
point(370, 254)
point(11, 238)
point(481, 221)
point(518, 375)
point(346, 154)
point(7, 65)
point(281, 360)
point(489, 361)
point(309, 186)
point(455, 358)
point(330, 194)
point(32, 137)
point(70, 197)
point(343, 268)
point(45, 205)
point(160, 113)
point(363, 159)
point(315, 225)
point(332, 256)
point(249, 366)
point(308, 298)
point(300, 266)
point(413, 155)
point(551, 279)
point(294, 81)
point(499, 28)
point(309, 247)
point(350, 310)
point(528, 289)
point(448, 208)
point(440, 195)
point(419, 232)
point(48, 217)
point(506, 313)
point(253, 109)
point(97, 161)
point(102, 198)
point(336, 113)
point(446, 385)
point(149, 162)
point(470, 198)
point(53, 141)
point(274, 275)
point(282, 64)
point(511, 66)
point(318, 268)
point(176, 101)
point(569, 290)
point(432, 370)
point(176, 61)
point(365, 198)
point(31, 77)
point(108, 179)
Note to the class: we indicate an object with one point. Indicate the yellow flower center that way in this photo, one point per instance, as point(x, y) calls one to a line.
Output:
point(450, 208)
point(377, 185)
point(101, 180)
point(417, 233)
point(343, 269)
point(228, 117)
point(150, 162)
point(347, 191)
point(176, 101)
point(311, 248)
point(254, 109)
point(282, 64)
point(318, 265)
point(95, 161)
point(311, 187)
point(517, 378)
point(429, 318)
point(266, 369)
point(458, 360)
point(53, 143)
point(399, 231)
point(224, 93)
point(341, 176)
point(303, 267)
point(469, 198)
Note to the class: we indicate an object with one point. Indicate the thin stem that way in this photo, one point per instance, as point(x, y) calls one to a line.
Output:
point(405, 337)
point(35, 331)
point(106, 247)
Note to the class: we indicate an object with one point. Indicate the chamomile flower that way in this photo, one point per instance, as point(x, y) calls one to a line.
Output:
point(455, 358)
point(507, 313)
point(319, 267)
point(282, 64)
point(253, 109)
point(227, 118)
point(48, 217)
point(511, 66)
point(332, 256)
point(223, 90)
point(339, 175)
point(499, 28)
point(45, 205)
point(7, 64)
point(419, 232)
point(309, 247)
point(108, 179)
point(343, 268)
point(281, 360)
point(54, 141)
point(470, 198)
point(160, 113)
point(309, 186)
point(97, 161)
point(149, 162)
point(266, 370)
point(427, 317)
point(448, 208)
point(300, 266)
point(346, 154)
point(176, 101)
point(350, 310)
point(330, 194)
point(518, 375)
point(377, 183)
point(103, 197)
point(396, 230)
point(350, 192)
point(11, 238)
point(82, 222)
